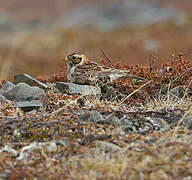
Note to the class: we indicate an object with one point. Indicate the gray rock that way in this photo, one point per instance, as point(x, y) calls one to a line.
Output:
point(71, 88)
point(25, 78)
point(188, 122)
point(2, 98)
point(112, 119)
point(6, 87)
point(62, 142)
point(24, 92)
point(107, 146)
point(92, 116)
point(10, 150)
point(143, 125)
point(146, 129)
point(157, 122)
point(28, 105)
point(128, 123)
point(177, 91)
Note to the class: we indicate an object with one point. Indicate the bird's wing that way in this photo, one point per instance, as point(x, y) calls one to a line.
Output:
point(93, 72)
point(88, 67)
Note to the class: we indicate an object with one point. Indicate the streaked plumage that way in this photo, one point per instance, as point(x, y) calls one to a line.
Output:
point(82, 71)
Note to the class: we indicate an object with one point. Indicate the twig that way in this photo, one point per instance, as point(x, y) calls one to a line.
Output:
point(107, 59)
point(189, 109)
point(135, 92)
point(152, 65)
point(131, 95)
point(186, 113)
point(58, 110)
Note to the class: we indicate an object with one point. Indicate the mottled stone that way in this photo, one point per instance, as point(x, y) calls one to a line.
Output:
point(25, 78)
point(24, 92)
point(28, 105)
point(157, 122)
point(92, 116)
point(112, 119)
point(129, 124)
point(6, 87)
point(188, 122)
point(2, 98)
point(177, 91)
point(71, 88)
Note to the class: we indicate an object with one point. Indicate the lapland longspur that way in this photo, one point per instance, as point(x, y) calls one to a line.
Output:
point(82, 71)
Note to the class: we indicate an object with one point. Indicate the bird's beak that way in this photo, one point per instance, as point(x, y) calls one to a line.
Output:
point(66, 59)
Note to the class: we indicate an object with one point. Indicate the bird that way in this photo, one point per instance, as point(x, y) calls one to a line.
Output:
point(84, 72)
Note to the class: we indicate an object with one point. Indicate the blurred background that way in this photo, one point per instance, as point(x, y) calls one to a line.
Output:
point(35, 36)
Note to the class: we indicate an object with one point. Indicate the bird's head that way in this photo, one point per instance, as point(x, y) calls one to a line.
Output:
point(75, 59)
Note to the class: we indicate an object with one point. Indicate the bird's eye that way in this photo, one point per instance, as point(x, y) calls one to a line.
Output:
point(80, 58)
point(73, 57)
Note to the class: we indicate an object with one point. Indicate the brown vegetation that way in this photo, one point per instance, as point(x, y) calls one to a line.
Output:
point(69, 148)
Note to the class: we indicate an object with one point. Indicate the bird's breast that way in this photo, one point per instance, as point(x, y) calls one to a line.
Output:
point(70, 72)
